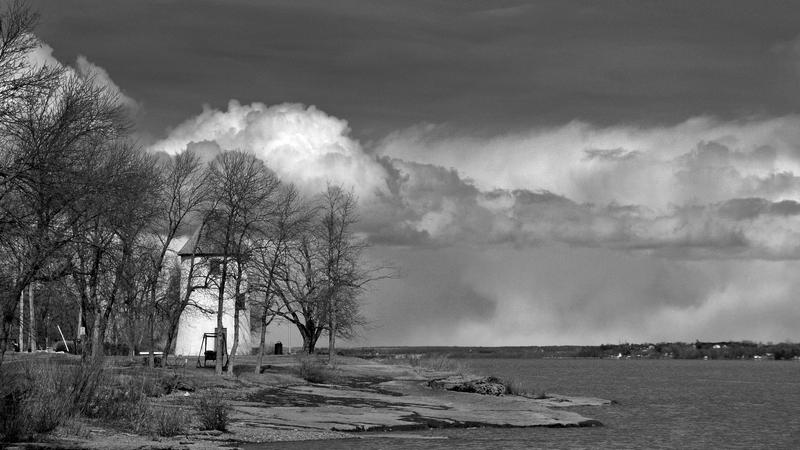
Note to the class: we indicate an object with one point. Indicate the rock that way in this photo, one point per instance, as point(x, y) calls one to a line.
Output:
point(483, 386)
point(208, 433)
point(183, 385)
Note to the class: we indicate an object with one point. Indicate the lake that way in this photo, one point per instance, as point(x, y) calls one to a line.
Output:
point(661, 404)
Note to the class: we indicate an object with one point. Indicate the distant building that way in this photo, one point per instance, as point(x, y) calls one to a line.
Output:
point(200, 316)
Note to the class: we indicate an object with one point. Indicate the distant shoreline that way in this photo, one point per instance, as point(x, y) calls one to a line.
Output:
point(728, 350)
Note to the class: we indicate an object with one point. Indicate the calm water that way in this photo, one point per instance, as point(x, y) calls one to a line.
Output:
point(661, 404)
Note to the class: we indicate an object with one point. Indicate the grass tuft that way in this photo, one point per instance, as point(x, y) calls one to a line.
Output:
point(214, 413)
point(168, 421)
point(313, 371)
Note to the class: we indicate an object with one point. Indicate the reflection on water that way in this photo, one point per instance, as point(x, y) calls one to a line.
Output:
point(662, 404)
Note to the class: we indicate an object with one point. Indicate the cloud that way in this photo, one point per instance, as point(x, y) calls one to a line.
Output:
point(301, 144)
point(88, 69)
point(672, 192)
point(43, 56)
point(555, 294)
point(655, 167)
point(708, 226)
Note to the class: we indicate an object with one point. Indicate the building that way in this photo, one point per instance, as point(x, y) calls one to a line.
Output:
point(200, 316)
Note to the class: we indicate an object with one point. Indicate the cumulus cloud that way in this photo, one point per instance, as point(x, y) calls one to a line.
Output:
point(301, 144)
point(654, 167)
point(701, 189)
point(43, 56)
point(573, 234)
point(88, 69)
point(669, 191)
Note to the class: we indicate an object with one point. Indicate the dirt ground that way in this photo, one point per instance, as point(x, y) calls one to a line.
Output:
point(278, 405)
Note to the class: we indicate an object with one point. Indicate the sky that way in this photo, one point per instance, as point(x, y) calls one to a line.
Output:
point(551, 172)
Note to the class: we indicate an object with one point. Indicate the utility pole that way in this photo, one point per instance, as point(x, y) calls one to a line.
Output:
point(31, 321)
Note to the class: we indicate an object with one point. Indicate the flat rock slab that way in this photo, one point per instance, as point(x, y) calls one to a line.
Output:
point(398, 405)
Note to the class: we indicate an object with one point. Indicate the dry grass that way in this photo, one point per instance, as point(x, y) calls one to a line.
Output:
point(44, 395)
point(312, 370)
point(168, 421)
point(214, 413)
point(515, 386)
point(442, 363)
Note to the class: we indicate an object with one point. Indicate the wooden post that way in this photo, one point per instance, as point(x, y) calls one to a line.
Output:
point(62, 338)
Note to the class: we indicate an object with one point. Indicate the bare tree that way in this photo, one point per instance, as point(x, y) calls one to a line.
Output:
point(243, 187)
point(289, 219)
point(56, 143)
point(18, 80)
point(345, 271)
point(183, 191)
point(298, 288)
point(105, 257)
point(324, 273)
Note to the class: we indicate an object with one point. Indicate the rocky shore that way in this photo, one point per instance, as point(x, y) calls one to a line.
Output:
point(359, 396)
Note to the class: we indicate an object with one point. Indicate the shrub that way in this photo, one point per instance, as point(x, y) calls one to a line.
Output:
point(313, 371)
point(36, 400)
point(12, 420)
point(214, 413)
point(516, 387)
point(168, 421)
point(40, 396)
point(117, 398)
point(443, 363)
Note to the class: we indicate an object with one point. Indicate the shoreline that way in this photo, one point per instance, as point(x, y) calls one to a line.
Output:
point(359, 396)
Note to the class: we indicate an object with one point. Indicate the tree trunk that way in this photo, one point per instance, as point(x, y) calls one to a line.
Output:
point(173, 329)
point(97, 350)
point(4, 338)
point(235, 346)
point(21, 319)
point(31, 320)
point(151, 357)
point(332, 346)
point(332, 332)
point(131, 337)
point(80, 323)
point(309, 341)
point(262, 342)
point(220, 308)
point(9, 306)
point(84, 342)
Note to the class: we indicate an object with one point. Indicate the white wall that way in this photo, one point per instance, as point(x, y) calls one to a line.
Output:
point(193, 322)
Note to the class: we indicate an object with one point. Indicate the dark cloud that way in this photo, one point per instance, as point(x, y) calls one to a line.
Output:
point(616, 154)
point(481, 66)
point(785, 208)
point(743, 208)
point(555, 295)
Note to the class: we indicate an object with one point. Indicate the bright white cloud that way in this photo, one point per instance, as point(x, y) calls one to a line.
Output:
point(43, 56)
point(86, 68)
point(571, 235)
point(301, 144)
point(701, 189)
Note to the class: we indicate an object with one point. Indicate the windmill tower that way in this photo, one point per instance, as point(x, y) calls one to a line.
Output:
point(202, 256)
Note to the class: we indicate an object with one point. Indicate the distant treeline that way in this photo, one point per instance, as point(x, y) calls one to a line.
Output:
point(666, 350)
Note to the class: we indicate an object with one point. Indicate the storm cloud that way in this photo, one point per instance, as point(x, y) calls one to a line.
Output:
point(549, 173)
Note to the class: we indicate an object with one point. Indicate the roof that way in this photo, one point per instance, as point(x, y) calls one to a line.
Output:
point(210, 244)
